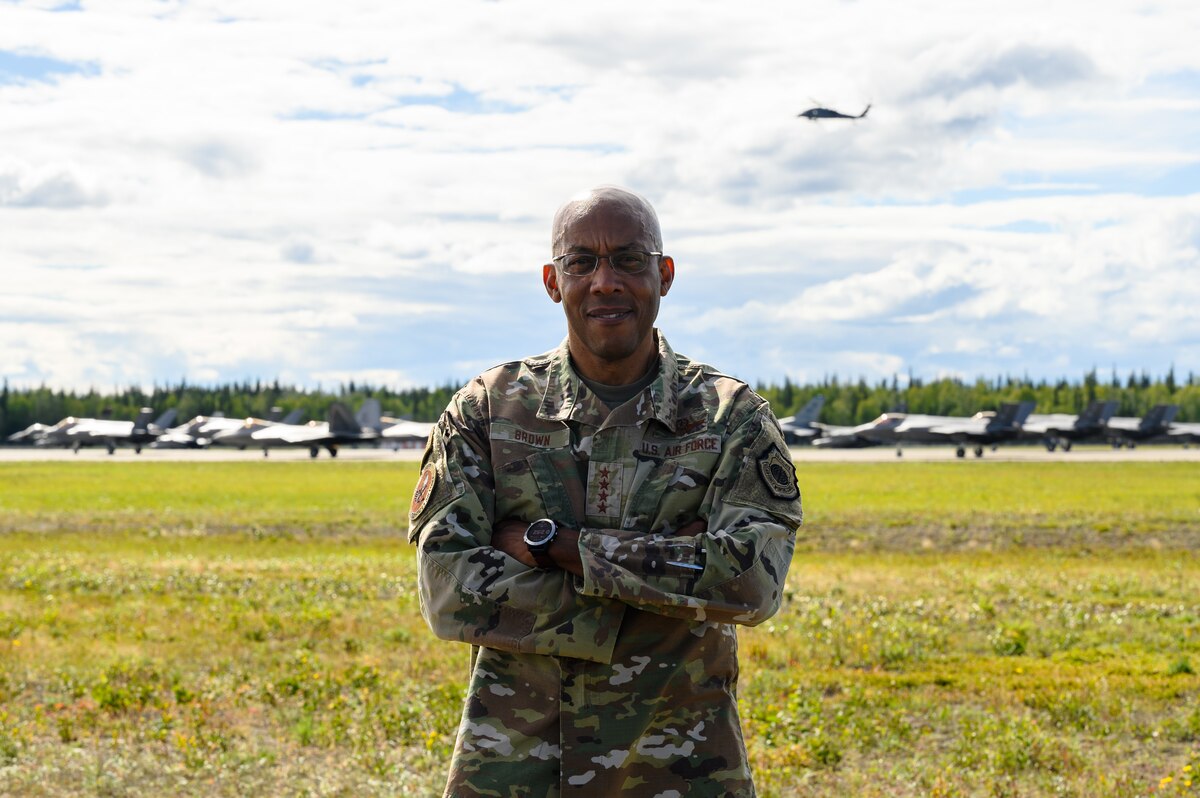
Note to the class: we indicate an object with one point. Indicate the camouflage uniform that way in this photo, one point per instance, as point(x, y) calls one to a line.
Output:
point(622, 681)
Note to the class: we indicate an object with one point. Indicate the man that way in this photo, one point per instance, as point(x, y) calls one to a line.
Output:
point(593, 521)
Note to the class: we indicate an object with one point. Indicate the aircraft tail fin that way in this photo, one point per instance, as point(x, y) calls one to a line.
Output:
point(1012, 414)
point(809, 413)
point(294, 417)
point(864, 113)
point(370, 415)
point(144, 417)
point(1097, 414)
point(341, 420)
point(166, 419)
point(274, 413)
point(1158, 417)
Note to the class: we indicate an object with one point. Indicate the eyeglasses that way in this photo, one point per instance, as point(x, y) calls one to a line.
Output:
point(581, 264)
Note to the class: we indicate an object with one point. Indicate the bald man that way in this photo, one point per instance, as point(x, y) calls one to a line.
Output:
point(595, 521)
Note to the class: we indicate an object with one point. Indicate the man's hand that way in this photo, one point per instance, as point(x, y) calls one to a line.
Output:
point(693, 528)
point(509, 537)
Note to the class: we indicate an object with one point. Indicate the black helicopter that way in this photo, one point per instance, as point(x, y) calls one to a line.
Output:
point(813, 114)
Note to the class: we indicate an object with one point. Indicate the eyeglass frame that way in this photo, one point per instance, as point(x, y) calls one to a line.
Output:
point(608, 257)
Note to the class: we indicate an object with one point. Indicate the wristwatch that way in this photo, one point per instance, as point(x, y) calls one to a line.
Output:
point(538, 537)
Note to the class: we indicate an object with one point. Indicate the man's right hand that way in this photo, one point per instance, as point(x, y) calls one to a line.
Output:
point(697, 527)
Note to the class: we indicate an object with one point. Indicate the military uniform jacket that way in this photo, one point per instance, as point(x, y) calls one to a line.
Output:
point(622, 681)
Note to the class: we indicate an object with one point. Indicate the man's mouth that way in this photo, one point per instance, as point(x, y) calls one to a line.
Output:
point(609, 314)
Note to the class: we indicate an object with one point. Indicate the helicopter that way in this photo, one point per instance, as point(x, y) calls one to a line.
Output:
point(813, 114)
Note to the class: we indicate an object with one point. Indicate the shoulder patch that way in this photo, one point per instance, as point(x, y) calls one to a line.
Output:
point(436, 487)
point(764, 476)
point(423, 491)
point(778, 473)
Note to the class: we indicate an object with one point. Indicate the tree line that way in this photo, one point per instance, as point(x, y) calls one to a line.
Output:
point(846, 402)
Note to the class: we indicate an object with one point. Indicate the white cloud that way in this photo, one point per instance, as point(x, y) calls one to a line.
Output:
point(324, 189)
point(47, 186)
point(394, 379)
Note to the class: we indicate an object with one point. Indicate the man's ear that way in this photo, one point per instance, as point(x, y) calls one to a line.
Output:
point(666, 274)
point(550, 280)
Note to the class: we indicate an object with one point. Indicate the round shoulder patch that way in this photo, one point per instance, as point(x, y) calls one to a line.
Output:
point(423, 490)
point(778, 473)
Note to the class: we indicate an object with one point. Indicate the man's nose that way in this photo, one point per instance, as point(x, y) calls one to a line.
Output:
point(605, 278)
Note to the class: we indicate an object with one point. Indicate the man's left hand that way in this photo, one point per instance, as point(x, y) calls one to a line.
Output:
point(509, 537)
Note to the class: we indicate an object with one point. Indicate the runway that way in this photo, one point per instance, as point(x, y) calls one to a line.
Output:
point(879, 454)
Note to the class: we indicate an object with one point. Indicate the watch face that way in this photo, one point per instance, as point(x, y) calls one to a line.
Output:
point(539, 532)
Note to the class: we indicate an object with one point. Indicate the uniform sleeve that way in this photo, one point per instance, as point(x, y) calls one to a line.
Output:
point(733, 572)
point(477, 594)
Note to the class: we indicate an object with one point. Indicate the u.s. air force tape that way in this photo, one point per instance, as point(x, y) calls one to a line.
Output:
point(423, 490)
point(778, 473)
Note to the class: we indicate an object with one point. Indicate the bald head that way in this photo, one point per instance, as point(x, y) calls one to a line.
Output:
point(632, 205)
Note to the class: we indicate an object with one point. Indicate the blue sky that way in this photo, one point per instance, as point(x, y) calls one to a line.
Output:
point(318, 192)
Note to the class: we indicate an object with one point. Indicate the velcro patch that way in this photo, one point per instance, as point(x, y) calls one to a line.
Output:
point(766, 478)
point(502, 430)
point(606, 489)
point(437, 486)
point(423, 491)
point(670, 448)
point(778, 473)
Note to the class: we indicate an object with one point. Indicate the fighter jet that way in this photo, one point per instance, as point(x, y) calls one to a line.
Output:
point(1060, 430)
point(221, 433)
point(858, 437)
point(982, 429)
point(401, 432)
point(28, 436)
point(1125, 431)
point(801, 428)
point(76, 433)
point(813, 114)
point(340, 428)
point(1185, 432)
point(198, 433)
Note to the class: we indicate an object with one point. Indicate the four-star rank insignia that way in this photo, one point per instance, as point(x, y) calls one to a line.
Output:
point(423, 490)
point(778, 473)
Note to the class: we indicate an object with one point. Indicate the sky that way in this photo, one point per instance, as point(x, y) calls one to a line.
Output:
point(320, 192)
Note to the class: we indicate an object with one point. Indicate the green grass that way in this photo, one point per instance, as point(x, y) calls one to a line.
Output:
point(286, 498)
point(995, 505)
point(234, 629)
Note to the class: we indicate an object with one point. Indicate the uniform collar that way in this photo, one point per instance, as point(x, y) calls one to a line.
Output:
point(567, 398)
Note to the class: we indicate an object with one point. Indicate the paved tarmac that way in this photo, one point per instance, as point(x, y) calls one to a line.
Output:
point(879, 454)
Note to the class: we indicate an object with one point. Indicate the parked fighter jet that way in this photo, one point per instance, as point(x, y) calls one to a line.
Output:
point(835, 437)
point(28, 436)
point(340, 428)
point(239, 434)
point(813, 114)
point(76, 433)
point(1125, 431)
point(200, 431)
point(981, 429)
point(1062, 429)
point(800, 428)
point(400, 432)
point(1185, 432)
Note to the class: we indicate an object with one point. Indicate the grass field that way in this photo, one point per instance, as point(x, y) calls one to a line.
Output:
point(251, 629)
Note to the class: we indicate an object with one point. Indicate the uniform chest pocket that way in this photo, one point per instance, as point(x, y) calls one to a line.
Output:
point(670, 493)
point(541, 485)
